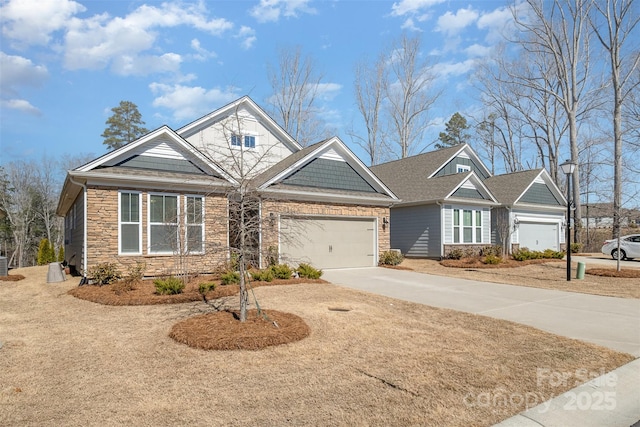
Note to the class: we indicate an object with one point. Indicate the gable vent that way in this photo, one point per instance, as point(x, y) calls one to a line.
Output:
point(332, 155)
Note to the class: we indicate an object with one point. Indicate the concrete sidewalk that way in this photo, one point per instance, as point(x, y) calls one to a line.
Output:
point(607, 321)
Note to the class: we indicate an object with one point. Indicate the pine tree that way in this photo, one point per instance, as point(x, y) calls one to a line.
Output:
point(124, 125)
point(455, 133)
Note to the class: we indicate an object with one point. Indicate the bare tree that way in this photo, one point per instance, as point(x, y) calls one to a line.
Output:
point(614, 22)
point(370, 85)
point(18, 205)
point(558, 30)
point(409, 94)
point(295, 83)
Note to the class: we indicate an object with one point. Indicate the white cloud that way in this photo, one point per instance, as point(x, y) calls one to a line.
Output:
point(101, 40)
point(497, 23)
point(20, 105)
point(31, 22)
point(189, 102)
point(248, 36)
point(452, 23)
point(270, 10)
point(478, 51)
point(18, 71)
point(445, 69)
point(328, 91)
point(202, 54)
point(405, 7)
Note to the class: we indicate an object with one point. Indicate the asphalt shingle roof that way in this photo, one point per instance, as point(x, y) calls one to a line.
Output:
point(508, 187)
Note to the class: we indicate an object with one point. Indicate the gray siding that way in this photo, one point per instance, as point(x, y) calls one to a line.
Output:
point(468, 193)
point(415, 230)
point(325, 173)
point(74, 234)
point(161, 164)
point(450, 168)
point(539, 194)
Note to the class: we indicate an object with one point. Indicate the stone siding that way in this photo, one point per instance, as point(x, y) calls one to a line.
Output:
point(102, 235)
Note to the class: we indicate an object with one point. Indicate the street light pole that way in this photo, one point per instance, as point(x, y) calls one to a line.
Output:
point(568, 167)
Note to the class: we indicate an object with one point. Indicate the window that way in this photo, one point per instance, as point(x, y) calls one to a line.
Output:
point(467, 226)
point(195, 226)
point(129, 227)
point(462, 168)
point(249, 141)
point(163, 223)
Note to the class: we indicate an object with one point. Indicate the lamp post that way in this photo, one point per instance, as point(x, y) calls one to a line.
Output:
point(568, 167)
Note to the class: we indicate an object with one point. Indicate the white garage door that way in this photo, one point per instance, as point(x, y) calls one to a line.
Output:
point(328, 242)
point(538, 236)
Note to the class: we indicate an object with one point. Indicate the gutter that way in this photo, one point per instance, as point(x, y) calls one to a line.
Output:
point(84, 228)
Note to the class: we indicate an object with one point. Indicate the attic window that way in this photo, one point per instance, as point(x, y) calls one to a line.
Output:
point(463, 168)
point(249, 141)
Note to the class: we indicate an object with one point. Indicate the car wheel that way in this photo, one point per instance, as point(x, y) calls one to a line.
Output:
point(614, 254)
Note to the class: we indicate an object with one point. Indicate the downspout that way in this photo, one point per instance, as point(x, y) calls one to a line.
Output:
point(442, 234)
point(84, 280)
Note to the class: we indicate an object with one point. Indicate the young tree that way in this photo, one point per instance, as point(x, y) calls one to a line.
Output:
point(296, 83)
point(455, 132)
point(124, 125)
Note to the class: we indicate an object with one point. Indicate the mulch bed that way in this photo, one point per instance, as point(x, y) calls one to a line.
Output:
point(223, 331)
point(612, 272)
point(143, 293)
point(11, 278)
point(506, 263)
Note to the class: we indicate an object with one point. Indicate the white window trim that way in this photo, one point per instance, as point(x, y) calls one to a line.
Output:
point(186, 224)
point(462, 168)
point(149, 250)
point(474, 226)
point(139, 252)
point(242, 146)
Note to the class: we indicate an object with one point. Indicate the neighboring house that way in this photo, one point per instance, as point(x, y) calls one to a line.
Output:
point(164, 198)
point(444, 203)
point(600, 215)
point(449, 200)
point(531, 212)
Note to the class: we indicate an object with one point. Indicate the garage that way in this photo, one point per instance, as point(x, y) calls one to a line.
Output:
point(328, 242)
point(538, 236)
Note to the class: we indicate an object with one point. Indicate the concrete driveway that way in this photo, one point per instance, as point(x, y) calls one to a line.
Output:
point(607, 321)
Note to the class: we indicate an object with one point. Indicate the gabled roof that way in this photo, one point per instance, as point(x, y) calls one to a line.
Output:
point(278, 179)
point(414, 187)
point(509, 188)
point(140, 163)
point(430, 163)
point(231, 108)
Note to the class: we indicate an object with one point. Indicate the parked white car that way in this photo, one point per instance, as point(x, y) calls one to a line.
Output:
point(629, 247)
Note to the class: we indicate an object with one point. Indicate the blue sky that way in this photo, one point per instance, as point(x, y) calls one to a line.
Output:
point(65, 64)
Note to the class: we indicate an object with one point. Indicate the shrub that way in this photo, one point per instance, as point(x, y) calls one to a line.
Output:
point(525, 254)
point(391, 258)
point(576, 247)
point(46, 253)
point(308, 272)
point(169, 286)
point(495, 250)
point(265, 275)
point(61, 254)
point(455, 253)
point(206, 287)
point(492, 259)
point(135, 272)
point(105, 273)
point(230, 277)
point(281, 271)
point(551, 254)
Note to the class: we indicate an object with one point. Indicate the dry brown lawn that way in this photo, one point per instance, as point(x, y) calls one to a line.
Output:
point(369, 360)
point(539, 274)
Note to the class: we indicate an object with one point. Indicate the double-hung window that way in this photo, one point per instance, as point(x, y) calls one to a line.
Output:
point(130, 230)
point(467, 226)
point(195, 224)
point(163, 223)
point(462, 168)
